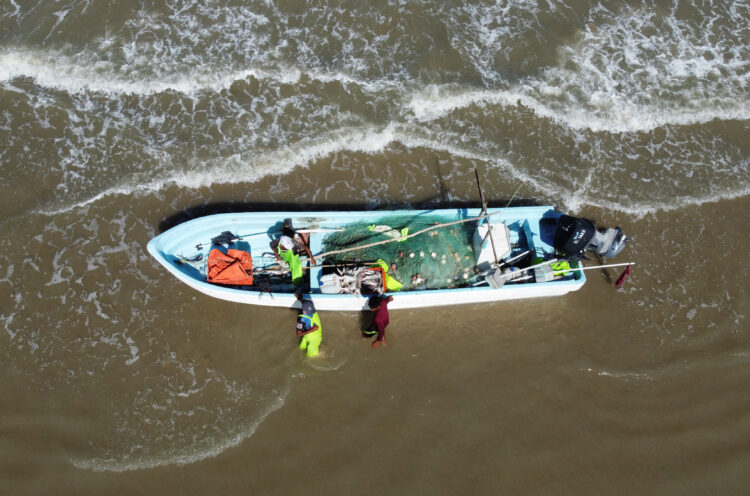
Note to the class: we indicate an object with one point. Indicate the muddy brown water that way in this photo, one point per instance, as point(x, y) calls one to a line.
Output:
point(119, 122)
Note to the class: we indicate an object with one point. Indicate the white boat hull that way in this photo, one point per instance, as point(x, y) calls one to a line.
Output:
point(181, 241)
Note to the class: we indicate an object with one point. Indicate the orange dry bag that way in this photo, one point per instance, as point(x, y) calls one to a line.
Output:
point(234, 267)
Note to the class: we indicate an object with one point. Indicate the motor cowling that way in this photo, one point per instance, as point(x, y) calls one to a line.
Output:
point(574, 235)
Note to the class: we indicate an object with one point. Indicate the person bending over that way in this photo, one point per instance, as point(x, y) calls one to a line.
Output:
point(288, 248)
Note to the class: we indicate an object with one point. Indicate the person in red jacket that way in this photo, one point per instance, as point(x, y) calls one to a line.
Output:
point(380, 319)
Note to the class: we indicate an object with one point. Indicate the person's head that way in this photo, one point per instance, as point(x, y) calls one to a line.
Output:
point(308, 308)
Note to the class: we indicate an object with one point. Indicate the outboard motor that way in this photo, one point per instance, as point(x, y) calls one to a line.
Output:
point(608, 243)
point(574, 235)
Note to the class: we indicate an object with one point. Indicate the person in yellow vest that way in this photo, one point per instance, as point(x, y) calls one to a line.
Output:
point(288, 247)
point(309, 327)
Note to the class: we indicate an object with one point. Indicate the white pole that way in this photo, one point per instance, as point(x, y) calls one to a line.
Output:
point(604, 266)
point(531, 267)
point(311, 230)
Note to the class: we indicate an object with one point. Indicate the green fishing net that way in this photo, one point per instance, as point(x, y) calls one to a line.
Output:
point(440, 258)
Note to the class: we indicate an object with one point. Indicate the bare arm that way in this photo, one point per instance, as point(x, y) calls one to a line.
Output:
point(312, 329)
point(309, 254)
point(274, 244)
point(307, 250)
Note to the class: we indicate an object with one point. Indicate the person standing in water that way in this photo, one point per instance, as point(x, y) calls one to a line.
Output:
point(380, 319)
point(309, 327)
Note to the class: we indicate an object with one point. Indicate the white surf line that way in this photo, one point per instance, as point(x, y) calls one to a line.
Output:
point(365, 140)
point(277, 163)
point(436, 102)
point(362, 140)
point(620, 375)
point(654, 207)
point(65, 73)
point(185, 457)
point(574, 206)
point(500, 163)
point(372, 140)
point(17, 9)
point(430, 103)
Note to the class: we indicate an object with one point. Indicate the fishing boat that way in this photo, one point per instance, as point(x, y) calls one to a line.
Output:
point(424, 258)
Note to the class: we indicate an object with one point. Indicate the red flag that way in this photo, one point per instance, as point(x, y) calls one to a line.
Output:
point(620, 280)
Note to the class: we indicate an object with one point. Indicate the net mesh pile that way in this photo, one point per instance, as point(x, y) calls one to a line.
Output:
point(441, 258)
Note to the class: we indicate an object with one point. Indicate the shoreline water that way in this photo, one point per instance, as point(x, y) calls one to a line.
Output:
point(119, 379)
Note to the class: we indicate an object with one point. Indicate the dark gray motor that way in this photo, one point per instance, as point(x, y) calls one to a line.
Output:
point(574, 235)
